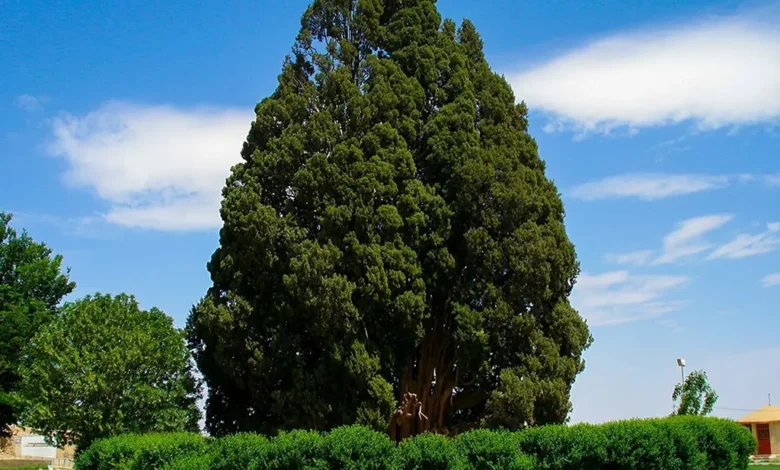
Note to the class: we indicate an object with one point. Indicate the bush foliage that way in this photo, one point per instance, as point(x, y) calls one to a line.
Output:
point(676, 443)
point(105, 367)
point(142, 452)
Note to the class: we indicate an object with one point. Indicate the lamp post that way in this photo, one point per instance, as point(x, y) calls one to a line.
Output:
point(681, 363)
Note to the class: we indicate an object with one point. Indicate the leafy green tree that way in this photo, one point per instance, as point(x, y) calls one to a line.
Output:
point(392, 253)
point(695, 396)
point(104, 367)
point(32, 284)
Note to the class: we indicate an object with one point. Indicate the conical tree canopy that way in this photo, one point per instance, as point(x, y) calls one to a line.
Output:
point(392, 252)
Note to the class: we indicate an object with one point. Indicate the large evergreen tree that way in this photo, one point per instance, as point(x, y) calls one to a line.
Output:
point(392, 252)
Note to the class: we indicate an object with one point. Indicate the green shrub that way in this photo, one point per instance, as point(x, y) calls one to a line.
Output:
point(295, 450)
point(140, 452)
point(190, 462)
point(742, 441)
point(723, 443)
point(641, 444)
point(678, 443)
point(111, 453)
point(429, 452)
point(238, 452)
point(162, 449)
point(493, 450)
point(581, 447)
point(358, 448)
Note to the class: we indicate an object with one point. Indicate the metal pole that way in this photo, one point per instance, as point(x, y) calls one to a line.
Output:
point(682, 374)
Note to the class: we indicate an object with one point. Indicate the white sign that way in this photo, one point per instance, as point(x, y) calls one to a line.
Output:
point(36, 446)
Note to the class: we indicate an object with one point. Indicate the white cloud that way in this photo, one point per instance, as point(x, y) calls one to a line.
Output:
point(619, 297)
point(771, 280)
point(773, 180)
point(686, 239)
point(29, 103)
point(745, 177)
point(745, 245)
point(158, 167)
point(648, 186)
point(716, 72)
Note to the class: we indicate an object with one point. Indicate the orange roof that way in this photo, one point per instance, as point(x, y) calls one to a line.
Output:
point(767, 414)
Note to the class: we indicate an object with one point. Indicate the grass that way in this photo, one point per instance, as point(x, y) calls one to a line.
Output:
point(24, 464)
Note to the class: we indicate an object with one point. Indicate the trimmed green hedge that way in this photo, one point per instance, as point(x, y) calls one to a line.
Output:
point(684, 442)
point(141, 452)
point(679, 443)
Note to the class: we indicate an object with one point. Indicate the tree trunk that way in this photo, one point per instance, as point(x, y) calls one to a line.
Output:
point(427, 387)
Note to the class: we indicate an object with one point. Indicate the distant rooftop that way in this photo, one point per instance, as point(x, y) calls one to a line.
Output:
point(767, 414)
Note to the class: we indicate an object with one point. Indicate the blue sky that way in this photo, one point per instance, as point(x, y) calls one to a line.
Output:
point(657, 119)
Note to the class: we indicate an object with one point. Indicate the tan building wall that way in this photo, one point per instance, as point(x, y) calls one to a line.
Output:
point(774, 436)
point(11, 448)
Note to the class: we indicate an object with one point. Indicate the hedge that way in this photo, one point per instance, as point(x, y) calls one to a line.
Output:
point(690, 443)
point(141, 452)
point(678, 443)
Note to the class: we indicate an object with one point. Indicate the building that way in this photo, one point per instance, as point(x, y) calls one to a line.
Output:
point(24, 445)
point(765, 426)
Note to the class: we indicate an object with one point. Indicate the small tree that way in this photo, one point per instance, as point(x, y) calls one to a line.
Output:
point(32, 285)
point(695, 396)
point(105, 367)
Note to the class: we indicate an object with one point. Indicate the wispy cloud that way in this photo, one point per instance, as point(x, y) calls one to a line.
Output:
point(673, 325)
point(745, 245)
point(715, 72)
point(81, 226)
point(619, 297)
point(685, 241)
point(29, 103)
point(636, 258)
point(158, 167)
point(655, 186)
point(771, 280)
point(648, 186)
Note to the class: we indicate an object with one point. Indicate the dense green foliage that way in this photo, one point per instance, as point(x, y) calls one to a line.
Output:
point(104, 367)
point(430, 452)
point(687, 442)
point(389, 230)
point(695, 396)
point(32, 285)
point(237, 451)
point(141, 452)
point(493, 450)
point(677, 443)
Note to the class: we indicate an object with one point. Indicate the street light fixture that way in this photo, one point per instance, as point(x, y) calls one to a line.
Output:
point(681, 363)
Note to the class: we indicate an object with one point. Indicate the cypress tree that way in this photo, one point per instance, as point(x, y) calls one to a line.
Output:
point(392, 253)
